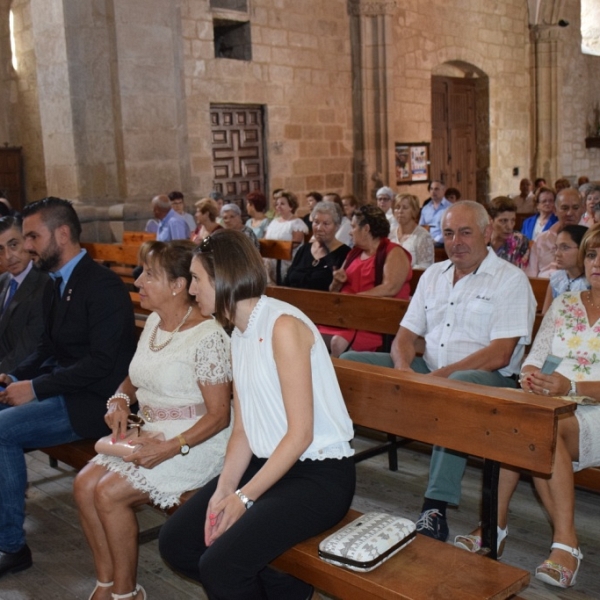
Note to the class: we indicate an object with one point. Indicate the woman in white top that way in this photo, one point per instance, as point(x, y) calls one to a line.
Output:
point(288, 472)
point(409, 234)
point(285, 226)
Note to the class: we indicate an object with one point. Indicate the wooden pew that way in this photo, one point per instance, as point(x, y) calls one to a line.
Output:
point(137, 237)
point(277, 249)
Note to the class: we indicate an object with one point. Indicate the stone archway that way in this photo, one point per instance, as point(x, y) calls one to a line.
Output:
point(460, 146)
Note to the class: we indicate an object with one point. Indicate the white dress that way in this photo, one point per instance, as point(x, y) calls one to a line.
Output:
point(282, 230)
point(565, 332)
point(169, 378)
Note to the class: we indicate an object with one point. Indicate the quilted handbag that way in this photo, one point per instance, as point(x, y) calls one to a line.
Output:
point(367, 542)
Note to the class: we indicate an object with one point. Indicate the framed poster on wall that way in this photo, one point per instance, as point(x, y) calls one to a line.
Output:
point(412, 162)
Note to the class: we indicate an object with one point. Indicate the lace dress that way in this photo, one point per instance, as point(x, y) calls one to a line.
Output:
point(169, 378)
point(566, 332)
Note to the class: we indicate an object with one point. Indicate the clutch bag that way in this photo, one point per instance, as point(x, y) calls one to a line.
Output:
point(367, 542)
point(127, 445)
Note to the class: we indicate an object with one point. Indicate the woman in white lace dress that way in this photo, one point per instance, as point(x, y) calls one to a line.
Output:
point(571, 331)
point(180, 379)
point(288, 472)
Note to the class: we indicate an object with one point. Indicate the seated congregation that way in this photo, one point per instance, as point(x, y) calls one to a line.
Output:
point(285, 438)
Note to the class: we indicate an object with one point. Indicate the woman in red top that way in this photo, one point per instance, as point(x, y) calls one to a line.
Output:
point(374, 267)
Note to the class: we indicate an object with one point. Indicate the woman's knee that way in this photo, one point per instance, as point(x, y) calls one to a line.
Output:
point(84, 486)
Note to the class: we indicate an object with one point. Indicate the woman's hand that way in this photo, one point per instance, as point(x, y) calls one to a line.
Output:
point(151, 452)
point(546, 385)
point(223, 511)
point(339, 279)
point(116, 418)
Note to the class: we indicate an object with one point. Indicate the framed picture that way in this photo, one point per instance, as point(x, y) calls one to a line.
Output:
point(412, 162)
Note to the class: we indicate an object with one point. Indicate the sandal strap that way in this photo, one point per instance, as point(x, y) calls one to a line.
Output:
point(108, 584)
point(138, 589)
point(574, 552)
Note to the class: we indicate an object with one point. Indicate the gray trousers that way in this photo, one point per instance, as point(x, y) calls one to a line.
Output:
point(447, 467)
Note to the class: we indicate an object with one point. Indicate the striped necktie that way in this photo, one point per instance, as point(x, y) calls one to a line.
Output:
point(12, 290)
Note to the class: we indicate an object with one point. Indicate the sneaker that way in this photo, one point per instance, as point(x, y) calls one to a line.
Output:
point(433, 524)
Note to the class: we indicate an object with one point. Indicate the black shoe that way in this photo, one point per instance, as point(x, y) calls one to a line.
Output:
point(433, 524)
point(13, 562)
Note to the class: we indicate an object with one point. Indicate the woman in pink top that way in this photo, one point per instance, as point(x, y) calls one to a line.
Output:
point(374, 267)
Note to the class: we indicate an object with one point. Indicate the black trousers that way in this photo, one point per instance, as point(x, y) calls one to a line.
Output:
point(312, 497)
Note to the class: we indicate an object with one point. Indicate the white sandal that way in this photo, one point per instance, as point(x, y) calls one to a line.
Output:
point(100, 584)
point(134, 594)
point(472, 543)
point(556, 574)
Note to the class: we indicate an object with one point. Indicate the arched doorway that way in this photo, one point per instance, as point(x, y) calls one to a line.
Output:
point(460, 140)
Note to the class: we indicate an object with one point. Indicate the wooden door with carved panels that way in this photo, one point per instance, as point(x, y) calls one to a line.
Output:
point(237, 150)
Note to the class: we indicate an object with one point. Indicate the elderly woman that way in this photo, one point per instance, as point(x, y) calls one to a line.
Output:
point(385, 200)
point(544, 204)
point(285, 226)
point(180, 378)
point(374, 267)
point(256, 205)
point(313, 264)
point(207, 211)
point(569, 331)
point(592, 197)
point(505, 241)
point(350, 203)
point(232, 219)
point(409, 234)
point(289, 472)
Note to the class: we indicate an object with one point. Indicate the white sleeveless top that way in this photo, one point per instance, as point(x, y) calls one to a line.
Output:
point(259, 391)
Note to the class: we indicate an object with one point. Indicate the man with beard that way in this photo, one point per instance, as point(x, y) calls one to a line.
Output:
point(58, 394)
point(21, 294)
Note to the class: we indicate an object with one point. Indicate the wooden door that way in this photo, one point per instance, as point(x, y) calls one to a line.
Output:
point(453, 143)
point(237, 150)
point(11, 176)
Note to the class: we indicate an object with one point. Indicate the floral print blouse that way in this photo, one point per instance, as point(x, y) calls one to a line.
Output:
point(515, 250)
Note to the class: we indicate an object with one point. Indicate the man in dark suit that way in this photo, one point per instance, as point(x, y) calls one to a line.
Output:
point(21, 292)
point(58, 394)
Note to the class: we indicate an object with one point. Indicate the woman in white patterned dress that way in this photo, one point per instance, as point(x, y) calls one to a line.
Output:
point(180, 378)
point(571, 331)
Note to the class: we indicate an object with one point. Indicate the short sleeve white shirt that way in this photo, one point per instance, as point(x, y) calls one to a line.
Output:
point(456, 320)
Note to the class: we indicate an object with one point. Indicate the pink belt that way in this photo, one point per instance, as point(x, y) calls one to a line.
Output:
point(191, 411)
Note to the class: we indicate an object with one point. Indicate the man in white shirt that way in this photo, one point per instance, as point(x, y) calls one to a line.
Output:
point(472, 333)
point(431, 213)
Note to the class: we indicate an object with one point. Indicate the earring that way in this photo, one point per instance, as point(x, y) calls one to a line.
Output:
point(174, 293)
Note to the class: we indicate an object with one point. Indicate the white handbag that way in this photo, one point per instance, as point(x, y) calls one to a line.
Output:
point(367, 542)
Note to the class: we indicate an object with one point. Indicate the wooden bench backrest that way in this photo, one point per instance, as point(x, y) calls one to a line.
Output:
point(126, 254)
point(509, 426)
point(277, 249)
point(137, 237)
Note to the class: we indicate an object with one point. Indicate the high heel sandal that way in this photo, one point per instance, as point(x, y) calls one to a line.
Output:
point(552, 573)
point(472, 543)
point(100, 584)
point(138, 589)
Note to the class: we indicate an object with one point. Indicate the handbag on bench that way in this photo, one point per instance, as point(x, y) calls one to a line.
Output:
point(125, 446)
point(367, 542)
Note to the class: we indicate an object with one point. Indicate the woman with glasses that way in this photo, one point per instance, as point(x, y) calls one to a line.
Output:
point(180, 379)
point(569, 277)
point(545, 205)
point(289, 472)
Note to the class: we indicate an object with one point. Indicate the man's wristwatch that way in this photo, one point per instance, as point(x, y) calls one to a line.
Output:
point(185, 448)
point(247, 502)
point(573, 390)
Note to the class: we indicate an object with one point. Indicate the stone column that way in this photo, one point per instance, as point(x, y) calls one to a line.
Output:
point(372, 86)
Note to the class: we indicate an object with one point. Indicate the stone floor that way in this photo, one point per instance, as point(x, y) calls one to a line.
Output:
point(63, 568)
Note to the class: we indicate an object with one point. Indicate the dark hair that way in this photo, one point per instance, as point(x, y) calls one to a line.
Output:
point(501, 204)
point(175, 196)
point(258, 200)
point(236, 269)
point(541, 190)
point(561, 184)
point(538, 181)
point(4, 210)
point(7, 223)
point(354, 201)
point(55, 212)
point(173, 258)
point(375, 218)
point(576, 232)
point(276, 191)
point(291, 199)
point(316, 195)
point(452, 192)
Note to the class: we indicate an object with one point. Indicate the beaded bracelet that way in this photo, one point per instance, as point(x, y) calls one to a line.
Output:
point(118, 395)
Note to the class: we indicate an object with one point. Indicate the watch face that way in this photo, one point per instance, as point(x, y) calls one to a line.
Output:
point(185, 449)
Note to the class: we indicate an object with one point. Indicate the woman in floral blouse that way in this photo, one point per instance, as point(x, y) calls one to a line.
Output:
point(570, 330)
point(507, 243)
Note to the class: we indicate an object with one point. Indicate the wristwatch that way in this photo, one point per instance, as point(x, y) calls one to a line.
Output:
point(573, 390)
point(247, 502)
point(185, 448)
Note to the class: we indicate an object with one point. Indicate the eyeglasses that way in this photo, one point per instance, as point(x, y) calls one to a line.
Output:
point(206, 246)
point(564, 248)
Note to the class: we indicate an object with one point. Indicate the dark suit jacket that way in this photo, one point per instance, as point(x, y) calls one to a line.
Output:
point(86, 348)
point(22, 323)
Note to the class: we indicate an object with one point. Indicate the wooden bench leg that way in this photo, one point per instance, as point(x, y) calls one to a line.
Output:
point(489, 508)
point(149, 535)
point(53, 462)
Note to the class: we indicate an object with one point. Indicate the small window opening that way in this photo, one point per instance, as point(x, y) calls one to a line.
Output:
point(232, 39)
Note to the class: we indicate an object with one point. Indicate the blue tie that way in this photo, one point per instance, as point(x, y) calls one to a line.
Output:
point(12, 290)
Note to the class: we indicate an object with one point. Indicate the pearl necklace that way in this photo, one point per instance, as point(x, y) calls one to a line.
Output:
point(158, 348)
point(590, 300)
